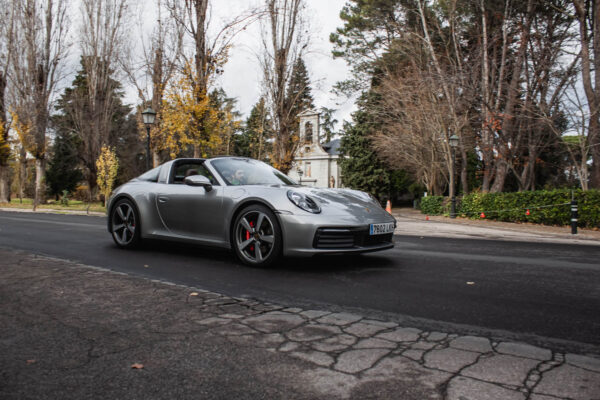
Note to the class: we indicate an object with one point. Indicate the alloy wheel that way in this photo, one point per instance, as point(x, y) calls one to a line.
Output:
point(123, 224)
point(255, 236)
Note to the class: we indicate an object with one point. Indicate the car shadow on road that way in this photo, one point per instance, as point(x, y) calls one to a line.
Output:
point(336, 263)
point(315, 264)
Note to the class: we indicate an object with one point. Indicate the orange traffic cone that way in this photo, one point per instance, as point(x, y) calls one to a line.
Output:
point(482, 215)
point(388, 207)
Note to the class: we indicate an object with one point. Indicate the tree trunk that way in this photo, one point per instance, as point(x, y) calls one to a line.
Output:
point(40, 169)
point(4, 184)
point(500, 176)
point(486, 135)
point(591, 90)
point(464, 177)
point(583, 175)
point(22, 173)
point(155, 159)
point(594, 140)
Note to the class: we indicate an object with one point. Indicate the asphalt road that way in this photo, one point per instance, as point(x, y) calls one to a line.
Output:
point(536, 292)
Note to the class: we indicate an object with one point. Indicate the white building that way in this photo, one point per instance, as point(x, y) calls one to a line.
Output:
point(315, 164)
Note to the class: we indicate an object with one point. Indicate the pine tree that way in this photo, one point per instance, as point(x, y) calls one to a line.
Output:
point(254, 141)
point(63, 171)
point(327, 123)
point(298, 95)
point(229, 120)
point(361, 169)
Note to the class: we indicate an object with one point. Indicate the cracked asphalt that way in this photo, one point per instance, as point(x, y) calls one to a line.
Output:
point(71, 331)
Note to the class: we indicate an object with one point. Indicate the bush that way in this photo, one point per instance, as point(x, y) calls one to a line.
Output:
point(432, 205)
point(548, 207)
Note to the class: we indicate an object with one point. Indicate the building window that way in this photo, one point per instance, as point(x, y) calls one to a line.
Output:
point(308, 132)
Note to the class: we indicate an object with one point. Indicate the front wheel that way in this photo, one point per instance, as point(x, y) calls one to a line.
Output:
point(125, 224)
point(257, 238)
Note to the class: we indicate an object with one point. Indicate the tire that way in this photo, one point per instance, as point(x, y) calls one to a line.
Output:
point(257, 239)
point(125, 224)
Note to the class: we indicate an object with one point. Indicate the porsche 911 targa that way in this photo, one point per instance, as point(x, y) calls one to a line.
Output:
point(247, 206)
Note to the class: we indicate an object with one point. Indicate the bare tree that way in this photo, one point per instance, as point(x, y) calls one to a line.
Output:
point(103, 34)
point(39, 47)
point(205, 51)
point(588, 17)
point(414, 118)
point(450, 80)
point(575, 138)
point(284, 40)
point(6, 32)
point(151, 71)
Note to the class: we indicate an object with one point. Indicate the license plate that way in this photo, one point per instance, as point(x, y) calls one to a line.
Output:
point(380, 229)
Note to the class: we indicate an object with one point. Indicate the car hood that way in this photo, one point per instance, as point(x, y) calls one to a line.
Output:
point(346, 202)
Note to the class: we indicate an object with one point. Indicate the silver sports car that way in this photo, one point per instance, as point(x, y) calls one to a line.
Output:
point(248, 206)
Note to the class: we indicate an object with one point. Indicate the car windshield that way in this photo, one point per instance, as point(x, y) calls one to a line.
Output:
point(151, 176)
point(244, 171)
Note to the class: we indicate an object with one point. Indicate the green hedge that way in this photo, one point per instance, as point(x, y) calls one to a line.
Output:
point(545, 207)
point(432, 205)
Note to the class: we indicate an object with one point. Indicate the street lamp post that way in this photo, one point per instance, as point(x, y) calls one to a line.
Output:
point(148, 115)
point(453, 141)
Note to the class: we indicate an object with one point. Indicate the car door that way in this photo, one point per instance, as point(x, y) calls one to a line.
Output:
point(191, 211)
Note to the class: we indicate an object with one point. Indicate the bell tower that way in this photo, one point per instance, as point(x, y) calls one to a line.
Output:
point(309, 127)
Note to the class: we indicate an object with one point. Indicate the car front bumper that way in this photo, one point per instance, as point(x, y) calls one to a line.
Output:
point(309, 235)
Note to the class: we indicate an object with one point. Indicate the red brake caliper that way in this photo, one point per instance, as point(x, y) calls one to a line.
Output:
point(248, 236)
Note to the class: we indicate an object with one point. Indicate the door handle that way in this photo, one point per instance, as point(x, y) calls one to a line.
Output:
point(163, 199)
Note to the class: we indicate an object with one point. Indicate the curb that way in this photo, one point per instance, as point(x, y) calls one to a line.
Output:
point(53, 211)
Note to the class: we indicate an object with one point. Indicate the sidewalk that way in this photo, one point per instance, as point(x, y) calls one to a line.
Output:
point(70, 331)
point(412, 222)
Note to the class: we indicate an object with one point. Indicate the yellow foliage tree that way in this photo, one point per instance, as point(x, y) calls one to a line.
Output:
point(23, 127)
point(107, 166)
point(190, 119)
point(4, 146)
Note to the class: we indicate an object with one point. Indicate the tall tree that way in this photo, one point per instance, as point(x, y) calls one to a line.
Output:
point(151, 71)
point(63, 171)
point(588, 17)
point(229, 118)
point(298, 96)
point(6, 32)
point(77, 117)
point(328, 123)
point(202, 60)
point(497, 69)
point(255, 139)
point(285, 39)
point(94, 99)
point(360, 165)
point(39, 40)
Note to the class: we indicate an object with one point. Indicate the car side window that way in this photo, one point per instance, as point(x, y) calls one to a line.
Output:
point(184, 170)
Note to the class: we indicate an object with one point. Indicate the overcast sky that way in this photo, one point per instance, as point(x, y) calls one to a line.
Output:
point(242, 75)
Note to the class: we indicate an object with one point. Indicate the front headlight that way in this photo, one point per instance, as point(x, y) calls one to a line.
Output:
point(303, 201)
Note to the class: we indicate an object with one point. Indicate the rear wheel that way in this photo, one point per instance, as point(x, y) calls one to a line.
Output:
point(257, 238)
point(125, 224)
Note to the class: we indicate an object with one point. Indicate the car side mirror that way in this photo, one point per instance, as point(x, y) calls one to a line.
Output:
point(199, 180)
